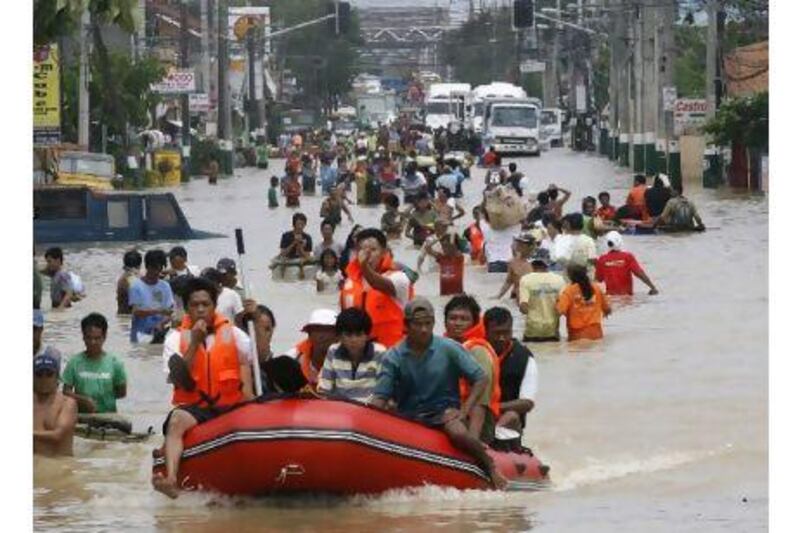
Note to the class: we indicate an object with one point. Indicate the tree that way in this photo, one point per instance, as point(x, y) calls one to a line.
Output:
point(742, 120)
point(323, 63)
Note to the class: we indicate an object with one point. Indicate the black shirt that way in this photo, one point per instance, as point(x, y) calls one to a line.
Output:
point(656, 200)
point(288, 238)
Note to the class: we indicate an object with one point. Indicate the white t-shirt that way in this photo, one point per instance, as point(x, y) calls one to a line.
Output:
point(402, 286)
point(448, 181)
point(172, 345)
point(330, 282)
point(229, 303)
point(498, 243)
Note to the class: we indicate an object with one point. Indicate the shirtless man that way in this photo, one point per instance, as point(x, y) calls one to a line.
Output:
point(519, 266)
point(54, 415)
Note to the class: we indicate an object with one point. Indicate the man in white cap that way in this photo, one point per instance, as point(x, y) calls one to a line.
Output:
point(616, 268)
point(310, 352)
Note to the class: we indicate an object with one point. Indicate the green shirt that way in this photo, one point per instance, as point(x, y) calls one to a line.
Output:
point(96, 378)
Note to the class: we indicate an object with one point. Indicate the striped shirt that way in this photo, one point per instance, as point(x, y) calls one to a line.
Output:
point(341, 378)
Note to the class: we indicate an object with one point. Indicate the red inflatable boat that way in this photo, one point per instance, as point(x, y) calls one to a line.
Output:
point(329, 446)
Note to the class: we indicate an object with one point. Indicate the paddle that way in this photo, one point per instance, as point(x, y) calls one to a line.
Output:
point(251, 327)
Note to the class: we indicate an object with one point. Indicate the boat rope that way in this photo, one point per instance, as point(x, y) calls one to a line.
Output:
point(290, 470)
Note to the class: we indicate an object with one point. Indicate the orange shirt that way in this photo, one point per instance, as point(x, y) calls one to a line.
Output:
point(584, 319)
point(637, 202)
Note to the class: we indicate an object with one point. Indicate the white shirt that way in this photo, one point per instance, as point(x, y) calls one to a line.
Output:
point(498, 243)
point(229, 304)
point(448, 181)
point(172, 345)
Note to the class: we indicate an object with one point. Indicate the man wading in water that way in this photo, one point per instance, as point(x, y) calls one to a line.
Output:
point(422, 375)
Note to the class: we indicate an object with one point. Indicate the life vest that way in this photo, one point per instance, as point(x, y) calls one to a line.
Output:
point(475, 236)
point(513, 363)
point(637, 203)
point(388, 326)
point(304, 352)
point(215, 374)
point(476, 336)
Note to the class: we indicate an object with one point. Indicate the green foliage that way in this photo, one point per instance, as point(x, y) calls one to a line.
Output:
point(53, 19)
point(690, 61)
point(323, 62)
point(483, 49)
point(744, 120)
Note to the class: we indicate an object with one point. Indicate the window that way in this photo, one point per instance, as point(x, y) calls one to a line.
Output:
point(57, 204)
point(118, 214)
point(525, 117)
point(161, 213)
point(437, 108)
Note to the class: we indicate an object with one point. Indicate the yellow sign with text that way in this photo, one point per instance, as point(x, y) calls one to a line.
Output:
point(46, 89)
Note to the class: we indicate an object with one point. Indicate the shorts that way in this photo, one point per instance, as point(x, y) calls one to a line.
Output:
point(201, 414)
point(497, 267)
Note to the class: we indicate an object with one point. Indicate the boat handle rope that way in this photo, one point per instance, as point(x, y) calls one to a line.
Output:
point(290, 470)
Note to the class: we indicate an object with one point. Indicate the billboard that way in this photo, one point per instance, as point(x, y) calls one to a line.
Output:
point(689, 115)
point(176, 82)
point(237, 26)
point(46, 96)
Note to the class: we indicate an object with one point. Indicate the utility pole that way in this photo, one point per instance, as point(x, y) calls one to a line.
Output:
point(186, 140)
point(83, 82)
point(712, 52)
point(204, 52)
point(555, 86)
point(224, 104)
point(213, 78)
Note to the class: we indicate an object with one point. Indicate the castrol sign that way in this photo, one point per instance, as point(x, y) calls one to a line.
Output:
point(690, 114)
point(176, 82)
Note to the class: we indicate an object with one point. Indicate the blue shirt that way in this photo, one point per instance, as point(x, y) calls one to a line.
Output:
point(428, 383)
point(144, 296)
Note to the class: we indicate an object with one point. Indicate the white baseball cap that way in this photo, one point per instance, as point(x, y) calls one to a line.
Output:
point(614, 240)
point(321, 317)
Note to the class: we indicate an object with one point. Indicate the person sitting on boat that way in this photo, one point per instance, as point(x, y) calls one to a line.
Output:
point(65, 287)
point(519, 375)
point(54, 414)
point(680, 214)
point(310, 353)
point(462, 322)
point(378, 285)
point(351, 365)
point(606, 211)
point(131, 269)
point(616, 268)
point(635, 205)
point(422, 375)
point(95, 378)
point(296, 245)
point(657, 196)
point(208, 363)
point(151, 301)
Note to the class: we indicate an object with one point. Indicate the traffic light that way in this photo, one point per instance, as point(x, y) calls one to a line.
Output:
point(343, 22)
point(523, 13)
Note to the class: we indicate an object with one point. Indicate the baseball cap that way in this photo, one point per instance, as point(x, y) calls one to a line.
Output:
point(614, 240)
point(321, 317)
point(418, 305)
point(226, 265)
point(46, 362)
point(38, 318)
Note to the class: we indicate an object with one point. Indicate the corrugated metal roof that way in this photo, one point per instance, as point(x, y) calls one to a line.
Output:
point(747, 69)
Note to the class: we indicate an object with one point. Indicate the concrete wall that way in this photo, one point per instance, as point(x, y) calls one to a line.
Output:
point(692, 148)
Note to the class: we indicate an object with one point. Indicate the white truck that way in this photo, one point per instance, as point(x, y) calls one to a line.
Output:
point(551, 126)
point(511, 125)
point(446, 103)
point(376, 108)
point(496, 89)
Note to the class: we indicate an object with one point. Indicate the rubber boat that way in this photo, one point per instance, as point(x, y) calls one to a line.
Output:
point(289, 446)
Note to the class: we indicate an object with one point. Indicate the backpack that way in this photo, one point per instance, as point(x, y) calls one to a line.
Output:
point(682, 215)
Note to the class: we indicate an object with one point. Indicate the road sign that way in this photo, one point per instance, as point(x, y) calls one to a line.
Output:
point(176, 82)
point(199, 103)
point(529, 66)
point(690, 114)
point(46, 96)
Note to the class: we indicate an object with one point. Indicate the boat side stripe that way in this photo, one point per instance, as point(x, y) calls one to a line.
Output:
point(317, 434)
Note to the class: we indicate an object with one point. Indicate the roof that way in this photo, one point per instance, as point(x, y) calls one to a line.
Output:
point(747, 69)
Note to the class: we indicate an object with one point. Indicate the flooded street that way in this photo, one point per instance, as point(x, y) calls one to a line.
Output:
point(662, 426)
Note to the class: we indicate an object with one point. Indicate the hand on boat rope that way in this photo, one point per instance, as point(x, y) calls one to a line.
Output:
point(290, 470)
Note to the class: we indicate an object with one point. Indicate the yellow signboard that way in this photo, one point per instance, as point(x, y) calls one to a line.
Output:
point(46, 92)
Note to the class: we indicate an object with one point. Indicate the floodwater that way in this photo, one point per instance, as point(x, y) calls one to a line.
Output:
point(661, 426)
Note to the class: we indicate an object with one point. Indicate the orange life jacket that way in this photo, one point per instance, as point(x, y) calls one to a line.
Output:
point(476, 243)
point(216, 374)
point(637, 202)
point(305, 350)
point(476, 336)
point(388, 326)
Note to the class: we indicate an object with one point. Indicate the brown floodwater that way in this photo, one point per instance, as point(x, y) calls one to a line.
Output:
point(661, 426)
